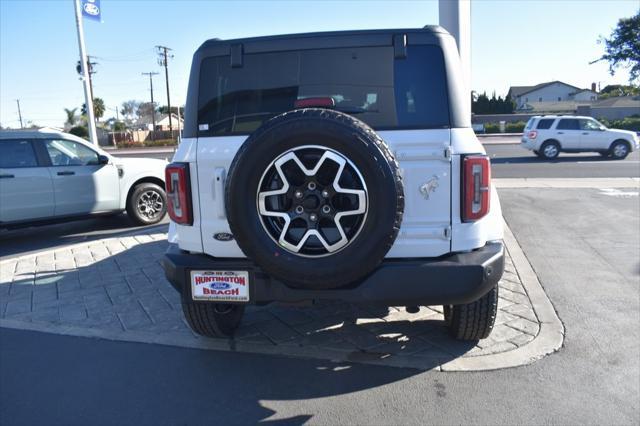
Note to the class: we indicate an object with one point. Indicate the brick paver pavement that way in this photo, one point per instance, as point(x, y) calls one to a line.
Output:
point(116, 286)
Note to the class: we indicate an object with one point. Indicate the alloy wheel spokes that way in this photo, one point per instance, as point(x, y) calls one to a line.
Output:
point(316, 206)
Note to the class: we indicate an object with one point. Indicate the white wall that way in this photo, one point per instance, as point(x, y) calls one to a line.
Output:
point(549, 93)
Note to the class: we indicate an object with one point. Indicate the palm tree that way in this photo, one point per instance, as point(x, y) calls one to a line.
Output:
point(98, 108)
point(72, 118)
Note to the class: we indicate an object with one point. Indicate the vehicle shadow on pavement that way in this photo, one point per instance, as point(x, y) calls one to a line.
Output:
point(42, 237)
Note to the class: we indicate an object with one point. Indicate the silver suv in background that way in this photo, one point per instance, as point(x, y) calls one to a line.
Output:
point(51, 176)
point(549, 135)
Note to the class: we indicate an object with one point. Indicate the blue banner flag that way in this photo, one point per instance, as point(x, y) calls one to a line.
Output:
point(91, 9)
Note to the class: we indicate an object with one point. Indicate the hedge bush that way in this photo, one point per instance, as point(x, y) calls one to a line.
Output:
point(630, 123)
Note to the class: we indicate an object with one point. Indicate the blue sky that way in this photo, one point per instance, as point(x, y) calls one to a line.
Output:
point(513, 43)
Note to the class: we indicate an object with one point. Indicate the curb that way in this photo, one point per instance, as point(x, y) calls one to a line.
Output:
point(549, 339)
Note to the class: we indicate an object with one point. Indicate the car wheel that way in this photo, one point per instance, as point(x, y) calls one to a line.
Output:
point(475, 320)
point(550, 150)
point(326, 198)
point(147, 204)
point(619, 150)
point(213, 319)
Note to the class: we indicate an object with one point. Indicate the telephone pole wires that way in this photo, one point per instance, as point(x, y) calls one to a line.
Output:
point(153, 106)
point(163, 60)
point(19, 113)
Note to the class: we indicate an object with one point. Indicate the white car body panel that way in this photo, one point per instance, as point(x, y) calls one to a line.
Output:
point(29, 195)
point(431, 226)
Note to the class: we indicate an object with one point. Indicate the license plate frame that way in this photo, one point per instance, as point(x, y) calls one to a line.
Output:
point(227, 286)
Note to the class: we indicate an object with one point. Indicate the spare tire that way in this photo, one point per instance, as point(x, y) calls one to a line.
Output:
point(315, 198)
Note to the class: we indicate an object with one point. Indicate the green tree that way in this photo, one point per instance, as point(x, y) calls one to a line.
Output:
point(72, 118)
point(622, 48)
point(98, 108)
point(80, 131)
point(130, 110)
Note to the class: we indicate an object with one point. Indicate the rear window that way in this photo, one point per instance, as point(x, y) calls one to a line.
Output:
point(568, 124)
point(545, 123)
point(17, 153)
point(366, 82)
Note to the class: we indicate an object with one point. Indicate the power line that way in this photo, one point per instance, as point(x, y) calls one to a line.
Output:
point(153, 108)
point(163, 61)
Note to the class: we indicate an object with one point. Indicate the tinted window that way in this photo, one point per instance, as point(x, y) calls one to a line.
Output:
point(590, 125)
point(17, 154)
point(545, 123)
point(530, 123)
point(367, 82)
point(568, 124)
point(68, 153)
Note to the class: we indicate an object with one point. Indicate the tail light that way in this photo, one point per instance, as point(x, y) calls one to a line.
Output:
point(532, 134)
point(476, 191)
point(179, 193)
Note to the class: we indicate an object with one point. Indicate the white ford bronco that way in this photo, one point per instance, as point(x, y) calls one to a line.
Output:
point(336, 166)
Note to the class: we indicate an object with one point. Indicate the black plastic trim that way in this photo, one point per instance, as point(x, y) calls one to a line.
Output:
point(449, 280)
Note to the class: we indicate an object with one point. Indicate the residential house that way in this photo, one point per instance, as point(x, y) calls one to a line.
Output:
point(552, 92)
point(162, 122)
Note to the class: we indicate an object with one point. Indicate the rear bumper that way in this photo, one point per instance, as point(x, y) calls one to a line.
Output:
point(449, 280)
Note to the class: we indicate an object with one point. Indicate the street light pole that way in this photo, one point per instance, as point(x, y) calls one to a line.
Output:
point(88, 101)
point(455, 17)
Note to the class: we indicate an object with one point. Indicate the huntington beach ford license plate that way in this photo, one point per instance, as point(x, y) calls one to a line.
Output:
point(220, 286)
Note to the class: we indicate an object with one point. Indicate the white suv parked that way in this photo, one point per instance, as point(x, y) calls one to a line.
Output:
point(332, 166)
point(548, 135)
point(51, 176)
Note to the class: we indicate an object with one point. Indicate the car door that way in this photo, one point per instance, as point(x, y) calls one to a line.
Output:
point(26, 187)
point(81, 184)
point(593, 135)
point(568, 133)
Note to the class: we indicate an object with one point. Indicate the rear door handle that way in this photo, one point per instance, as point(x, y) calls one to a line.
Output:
point(7, 176)
point(66, 173)
point(585, 133)
point(561, 133)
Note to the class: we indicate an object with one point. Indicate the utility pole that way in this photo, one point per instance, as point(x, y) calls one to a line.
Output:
point(91, 73)
point(153, 107)
point(88, 99)
point(163, 61)
point(19, 113)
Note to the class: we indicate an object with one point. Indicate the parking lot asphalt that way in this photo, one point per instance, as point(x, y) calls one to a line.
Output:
point(583, 245)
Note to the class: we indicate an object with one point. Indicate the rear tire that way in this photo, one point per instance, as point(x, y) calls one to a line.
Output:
point(213, 320)
point(475, 320)
point(550, 150)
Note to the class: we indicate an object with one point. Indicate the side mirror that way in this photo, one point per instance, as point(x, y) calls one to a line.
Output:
point(103, 159)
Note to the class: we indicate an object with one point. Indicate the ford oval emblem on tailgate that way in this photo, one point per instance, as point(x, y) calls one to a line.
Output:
point(223, 236)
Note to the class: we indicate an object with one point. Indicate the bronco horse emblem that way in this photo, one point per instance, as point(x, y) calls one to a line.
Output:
point(429, 186)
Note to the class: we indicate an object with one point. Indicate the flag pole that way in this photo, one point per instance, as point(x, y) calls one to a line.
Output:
point(88, 101)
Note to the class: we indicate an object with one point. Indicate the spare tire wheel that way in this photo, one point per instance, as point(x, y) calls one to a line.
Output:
point(315, 198)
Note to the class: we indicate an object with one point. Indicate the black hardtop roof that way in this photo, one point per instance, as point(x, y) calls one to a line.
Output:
point(428, 29)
